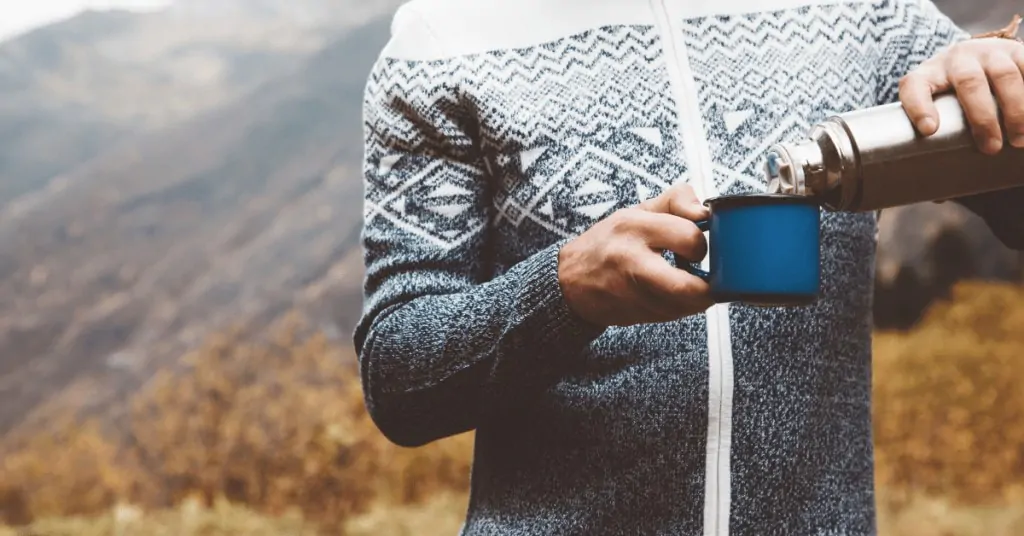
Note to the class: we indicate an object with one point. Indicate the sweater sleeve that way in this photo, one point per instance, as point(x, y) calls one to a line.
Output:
point(442, 337)
point(919, 30)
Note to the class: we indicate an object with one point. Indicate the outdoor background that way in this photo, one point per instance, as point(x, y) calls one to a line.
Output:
point(180, 270)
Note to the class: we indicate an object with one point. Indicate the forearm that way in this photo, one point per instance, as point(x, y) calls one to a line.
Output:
point(431, 364)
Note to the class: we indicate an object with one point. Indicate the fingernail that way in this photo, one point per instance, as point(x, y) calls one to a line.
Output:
point(1018, 140)
point(993, 145)
point(926, 125)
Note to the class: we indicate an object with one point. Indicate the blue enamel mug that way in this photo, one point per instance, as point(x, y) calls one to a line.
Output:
point(764, 249)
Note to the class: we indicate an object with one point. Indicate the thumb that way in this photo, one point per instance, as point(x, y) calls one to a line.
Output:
point(679, 200)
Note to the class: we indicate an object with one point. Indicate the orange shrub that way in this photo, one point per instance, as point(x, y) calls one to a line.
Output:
point(281, 424)
point(949, 401)
point(273, 424)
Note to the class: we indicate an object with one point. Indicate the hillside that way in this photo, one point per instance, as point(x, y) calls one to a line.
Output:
point(72, 89)
point(165, 174)
point(253, 438)
point(231, 217)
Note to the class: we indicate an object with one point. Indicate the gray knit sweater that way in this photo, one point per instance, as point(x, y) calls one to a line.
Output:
point(497, 130)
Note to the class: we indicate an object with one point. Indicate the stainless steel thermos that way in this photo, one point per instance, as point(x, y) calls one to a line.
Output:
point(874, 158)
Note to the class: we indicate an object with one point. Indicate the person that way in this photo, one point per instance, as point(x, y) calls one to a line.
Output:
point(529, 167)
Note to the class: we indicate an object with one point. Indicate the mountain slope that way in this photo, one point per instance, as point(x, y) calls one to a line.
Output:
point(238, 215)
point(236, 209)
point(72, 89)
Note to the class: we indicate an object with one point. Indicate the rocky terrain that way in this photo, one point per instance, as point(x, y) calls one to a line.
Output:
point(168, 173)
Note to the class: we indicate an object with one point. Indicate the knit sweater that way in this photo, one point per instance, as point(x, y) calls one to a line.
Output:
point(495, 132)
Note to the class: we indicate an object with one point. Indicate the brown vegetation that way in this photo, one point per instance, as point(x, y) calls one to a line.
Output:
point(280, 428)
point(949, 407)
point(272, 425)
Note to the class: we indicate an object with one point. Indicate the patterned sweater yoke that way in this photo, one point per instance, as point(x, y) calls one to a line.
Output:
point(496, 131)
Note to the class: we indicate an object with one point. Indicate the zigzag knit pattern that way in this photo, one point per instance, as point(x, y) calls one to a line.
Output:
point(479, 166)
point(606, 90)
point(785, 87)
point(566, 125)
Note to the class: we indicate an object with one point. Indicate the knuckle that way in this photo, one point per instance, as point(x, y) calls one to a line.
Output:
point(681, 192)
point(905, 81)
point(971, 83)
point(615, 256)
point(958, 74)
point(680, 187)
point(1017, 53)
point(1003, 72)
point(909, 80)
point(959, 50)
point(634, 278)
point(964, 74)
point(622, 221)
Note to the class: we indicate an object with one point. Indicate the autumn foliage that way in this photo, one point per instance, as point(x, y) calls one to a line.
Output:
point(274, 425)
point(949, 398)
point(277, 427)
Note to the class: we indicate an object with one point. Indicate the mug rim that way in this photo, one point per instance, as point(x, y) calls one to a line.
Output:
point(760, 199)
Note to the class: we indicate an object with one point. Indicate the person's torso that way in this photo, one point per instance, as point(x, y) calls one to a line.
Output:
point(743, 420)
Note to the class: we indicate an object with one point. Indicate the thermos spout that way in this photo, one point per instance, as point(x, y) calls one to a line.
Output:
point(874, 158)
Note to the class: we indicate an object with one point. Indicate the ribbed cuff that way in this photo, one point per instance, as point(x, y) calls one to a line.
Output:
point(544, 313)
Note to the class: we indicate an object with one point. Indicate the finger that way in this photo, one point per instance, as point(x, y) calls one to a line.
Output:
point(970, 81)
point(917, 91)
point(680, 200)
point(667, 232)
point(669, 288)
point(1008, 85)
point(655, 306)
point(1013, 112)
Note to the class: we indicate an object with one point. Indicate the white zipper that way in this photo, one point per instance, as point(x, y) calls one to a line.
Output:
point(717, 491)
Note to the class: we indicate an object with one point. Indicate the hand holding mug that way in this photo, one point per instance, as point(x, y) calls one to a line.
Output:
point(614, 274)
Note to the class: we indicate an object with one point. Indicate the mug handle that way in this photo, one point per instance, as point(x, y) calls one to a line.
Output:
point(694, 267)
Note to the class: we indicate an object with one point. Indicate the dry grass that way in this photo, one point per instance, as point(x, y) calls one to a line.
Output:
point(191, 518)
point(273, 438)
point(920, 515)
point(276, 425)
point(949, 407)
point(440, 515)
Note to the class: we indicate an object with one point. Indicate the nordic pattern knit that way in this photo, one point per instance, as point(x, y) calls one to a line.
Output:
point(496, 131)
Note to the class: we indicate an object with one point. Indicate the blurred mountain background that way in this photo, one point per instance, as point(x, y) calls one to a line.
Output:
point(164, 174)
point(168, 173)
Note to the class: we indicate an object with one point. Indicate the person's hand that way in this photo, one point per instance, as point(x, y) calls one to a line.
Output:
point(614, 274)
point(976, 69)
